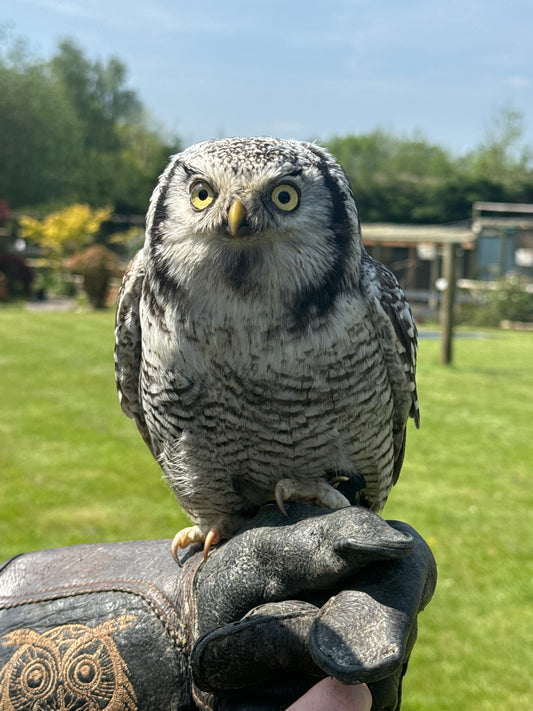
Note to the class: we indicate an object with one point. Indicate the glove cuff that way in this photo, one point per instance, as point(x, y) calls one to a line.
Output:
point(95, 619)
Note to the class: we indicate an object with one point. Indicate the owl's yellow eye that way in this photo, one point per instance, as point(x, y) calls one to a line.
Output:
point(202, 195)
point(286, 197)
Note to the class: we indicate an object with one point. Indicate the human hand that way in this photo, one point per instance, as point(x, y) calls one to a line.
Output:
point(333, 695)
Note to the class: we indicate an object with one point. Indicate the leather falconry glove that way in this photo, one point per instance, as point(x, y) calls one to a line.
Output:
point(284, 603)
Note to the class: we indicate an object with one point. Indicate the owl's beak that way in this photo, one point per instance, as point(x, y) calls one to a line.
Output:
point(236, 216)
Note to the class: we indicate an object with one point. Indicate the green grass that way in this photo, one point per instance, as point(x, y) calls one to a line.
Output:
point(467, 487)
point(74, 469)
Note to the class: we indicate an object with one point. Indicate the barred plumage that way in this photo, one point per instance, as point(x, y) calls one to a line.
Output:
point(257, 342)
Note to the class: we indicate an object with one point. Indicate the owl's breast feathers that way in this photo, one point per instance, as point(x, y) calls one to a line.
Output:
point(226, 389)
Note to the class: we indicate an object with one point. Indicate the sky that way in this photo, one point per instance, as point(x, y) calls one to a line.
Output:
point(305, 69)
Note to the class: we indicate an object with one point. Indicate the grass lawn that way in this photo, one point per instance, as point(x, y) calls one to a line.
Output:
point(74, 469)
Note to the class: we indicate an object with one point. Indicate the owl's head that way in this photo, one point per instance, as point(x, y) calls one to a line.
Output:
point(260, 215)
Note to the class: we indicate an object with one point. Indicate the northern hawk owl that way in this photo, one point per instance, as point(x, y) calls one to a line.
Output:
point(263, 354)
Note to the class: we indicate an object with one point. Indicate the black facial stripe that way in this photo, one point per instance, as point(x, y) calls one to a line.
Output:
point(167, 286)
point(161, 212)
point(318, 299)
point(339, 218)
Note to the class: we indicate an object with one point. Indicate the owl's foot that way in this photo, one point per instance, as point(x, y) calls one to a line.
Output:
point(316, 491)
point(194, 534)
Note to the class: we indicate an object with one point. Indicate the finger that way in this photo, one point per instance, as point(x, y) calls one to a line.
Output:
point(266, 645)
point(310, 550)
point(331, 694)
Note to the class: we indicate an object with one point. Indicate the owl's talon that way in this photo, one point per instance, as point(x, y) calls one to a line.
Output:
point(194, 534)
point(280, 495)
point(316, 492)
point(212, 538)
point(184, 538)
point(339, 480)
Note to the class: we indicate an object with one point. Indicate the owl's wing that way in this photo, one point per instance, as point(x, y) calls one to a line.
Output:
point(396, 331)
point(128, 343)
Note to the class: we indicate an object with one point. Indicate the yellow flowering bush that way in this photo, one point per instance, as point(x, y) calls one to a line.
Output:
point(65, 231)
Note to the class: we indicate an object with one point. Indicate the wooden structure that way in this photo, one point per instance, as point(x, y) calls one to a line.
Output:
point(414, 252)
point(501, 214)
point(498, 240)
point(436, 245)
point(504, 236)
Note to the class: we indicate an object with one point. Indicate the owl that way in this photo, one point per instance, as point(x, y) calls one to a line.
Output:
point(68, 668)
point(262, 353)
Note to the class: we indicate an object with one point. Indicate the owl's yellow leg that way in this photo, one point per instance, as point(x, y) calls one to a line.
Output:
point(315, 491)
point(194, 534)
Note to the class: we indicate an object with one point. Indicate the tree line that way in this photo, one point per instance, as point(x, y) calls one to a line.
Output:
point(71, 131)
point(409, 180)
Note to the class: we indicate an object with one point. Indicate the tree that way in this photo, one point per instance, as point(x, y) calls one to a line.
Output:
point(98, 95)
point(394, 179)
point(142, 159)
point(72, 131)
point(409, 180)
point(40, 134)
point(503, 156)
point(122, 155)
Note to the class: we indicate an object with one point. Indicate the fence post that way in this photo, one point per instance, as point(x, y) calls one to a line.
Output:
point(447, 305)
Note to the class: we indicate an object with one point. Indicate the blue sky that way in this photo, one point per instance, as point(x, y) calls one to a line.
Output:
point(305, 69)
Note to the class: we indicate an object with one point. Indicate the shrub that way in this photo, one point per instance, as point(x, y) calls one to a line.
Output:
point(97, 264)
point(509, 301)
point(18, 275)
point(61, 233)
